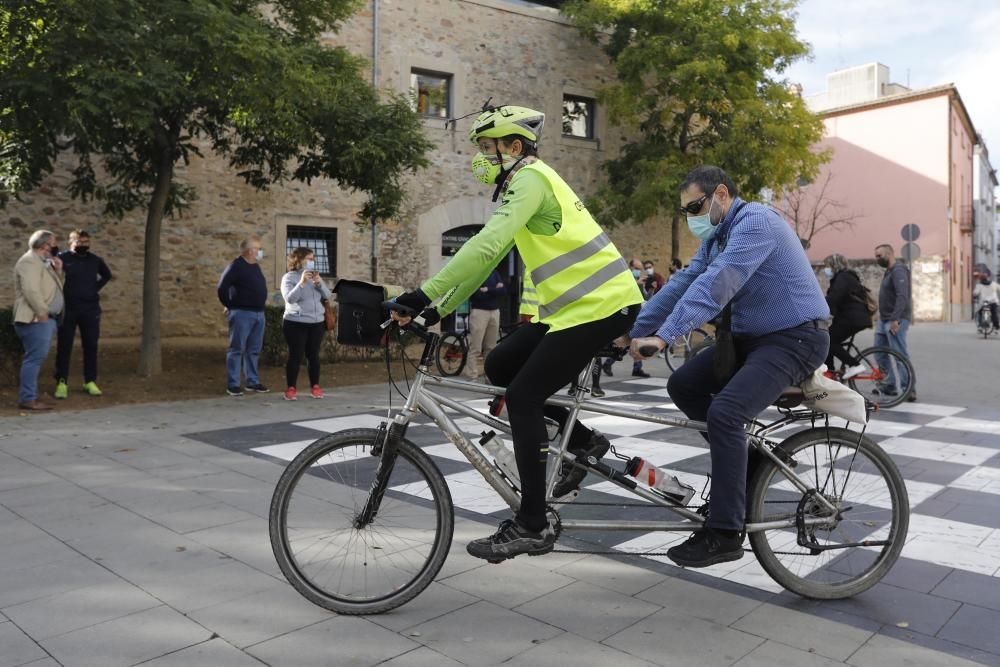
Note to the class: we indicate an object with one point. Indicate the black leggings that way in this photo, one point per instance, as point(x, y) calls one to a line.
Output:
point(533, 365)
point(840, 332)
point(303, 340)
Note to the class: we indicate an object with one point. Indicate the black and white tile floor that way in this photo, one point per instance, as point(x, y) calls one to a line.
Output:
point(943, 592)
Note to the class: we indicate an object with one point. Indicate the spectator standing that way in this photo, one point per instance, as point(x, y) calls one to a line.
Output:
point(846, 300)
point(675, 265)
point(638, 272)
point(243, 291)
point(653, 281)
point(38, 302)
point(303, 325)
point(895, 311)
point(484, 321)
point(85, 274)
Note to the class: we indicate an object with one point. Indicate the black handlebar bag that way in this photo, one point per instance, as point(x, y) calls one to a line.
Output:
point(360, 313)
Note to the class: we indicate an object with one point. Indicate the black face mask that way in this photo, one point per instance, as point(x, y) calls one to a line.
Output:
point(883, 262)
point(82, 249)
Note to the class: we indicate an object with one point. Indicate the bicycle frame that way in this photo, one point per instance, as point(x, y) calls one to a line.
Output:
point(430, 402)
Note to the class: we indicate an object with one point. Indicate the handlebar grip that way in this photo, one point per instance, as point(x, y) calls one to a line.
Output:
point(648, 350)
point(399, 308)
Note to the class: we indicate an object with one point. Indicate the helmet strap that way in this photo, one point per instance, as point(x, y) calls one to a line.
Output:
point(503, 179)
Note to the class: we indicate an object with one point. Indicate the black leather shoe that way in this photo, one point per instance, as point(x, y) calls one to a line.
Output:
point(912, 398)
point(706, 547)
point(639, 373)
point(570, 476)
point(606, 367)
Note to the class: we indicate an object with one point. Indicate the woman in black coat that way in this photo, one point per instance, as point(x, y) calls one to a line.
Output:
point(846, 298)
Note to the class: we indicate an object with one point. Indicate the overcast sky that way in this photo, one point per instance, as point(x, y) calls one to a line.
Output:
point(931, 42)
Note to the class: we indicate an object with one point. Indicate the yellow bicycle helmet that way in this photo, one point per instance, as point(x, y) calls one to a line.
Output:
point(506, 120)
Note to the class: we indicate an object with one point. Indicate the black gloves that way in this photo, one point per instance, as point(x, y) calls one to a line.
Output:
point(415, 300)
point(431, 316)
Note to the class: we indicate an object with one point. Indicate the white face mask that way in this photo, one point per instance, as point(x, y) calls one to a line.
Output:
point(260, 255)
point(649, 271)
point(310, 265)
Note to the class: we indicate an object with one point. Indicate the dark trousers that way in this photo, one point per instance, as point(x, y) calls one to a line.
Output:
point(769, 364)
point(840, 332)
point(89, 323)
point(533, 364)
point(303, 340)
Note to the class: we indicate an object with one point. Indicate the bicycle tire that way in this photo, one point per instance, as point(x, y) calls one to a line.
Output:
point(685, 347)
point(869, 384)
point(836, 573)
point(389, 548)
point(452, 354)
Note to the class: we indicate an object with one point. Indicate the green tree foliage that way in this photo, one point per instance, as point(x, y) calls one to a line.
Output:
point(698, 83)
point(132, 87)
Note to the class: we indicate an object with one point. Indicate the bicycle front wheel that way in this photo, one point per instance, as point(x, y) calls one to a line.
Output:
point(860, 480)
point(360, 569)
point(451, 354)
point(685, 347)
point(888, 377)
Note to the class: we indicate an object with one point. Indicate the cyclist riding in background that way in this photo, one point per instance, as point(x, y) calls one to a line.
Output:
point(988, 292)
point(846, 299)
point(751, 259)
point(586, 298)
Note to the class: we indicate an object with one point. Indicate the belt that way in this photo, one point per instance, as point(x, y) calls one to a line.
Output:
point(821, 325)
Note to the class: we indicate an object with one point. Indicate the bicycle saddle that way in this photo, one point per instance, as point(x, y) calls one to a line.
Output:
point(791, 397)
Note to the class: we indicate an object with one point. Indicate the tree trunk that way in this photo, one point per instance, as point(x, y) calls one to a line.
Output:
point(150, 355)
point(675, 240)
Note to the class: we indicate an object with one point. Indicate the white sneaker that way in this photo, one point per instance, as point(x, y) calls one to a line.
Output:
point(851, 371)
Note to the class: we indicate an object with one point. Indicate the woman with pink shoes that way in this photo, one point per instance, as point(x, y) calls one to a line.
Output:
point(303, 290)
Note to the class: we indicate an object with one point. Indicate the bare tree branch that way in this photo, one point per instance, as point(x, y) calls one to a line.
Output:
point(811, 211)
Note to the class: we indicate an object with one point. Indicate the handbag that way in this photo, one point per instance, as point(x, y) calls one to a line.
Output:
point(329, 317)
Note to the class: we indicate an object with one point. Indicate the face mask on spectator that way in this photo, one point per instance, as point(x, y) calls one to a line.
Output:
point(310, 265)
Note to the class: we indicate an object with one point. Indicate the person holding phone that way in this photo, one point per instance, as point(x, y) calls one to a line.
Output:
point(303, 325)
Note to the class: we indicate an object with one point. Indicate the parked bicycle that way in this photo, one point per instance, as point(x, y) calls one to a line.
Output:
point(686, 346)
point(453, 349)
point(888, 377)
point(362, 520)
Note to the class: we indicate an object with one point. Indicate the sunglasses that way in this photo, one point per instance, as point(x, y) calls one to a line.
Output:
point(692, 207)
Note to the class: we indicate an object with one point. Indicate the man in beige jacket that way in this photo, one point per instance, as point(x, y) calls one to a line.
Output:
point(38, 301)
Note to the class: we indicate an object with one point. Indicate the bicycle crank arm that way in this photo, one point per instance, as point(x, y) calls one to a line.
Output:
point(816, 547)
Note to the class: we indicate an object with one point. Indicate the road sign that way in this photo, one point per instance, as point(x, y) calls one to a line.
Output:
point(910, 251)
point(910, 232)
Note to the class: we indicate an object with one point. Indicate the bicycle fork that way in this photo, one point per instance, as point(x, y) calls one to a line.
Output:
point(386, 447)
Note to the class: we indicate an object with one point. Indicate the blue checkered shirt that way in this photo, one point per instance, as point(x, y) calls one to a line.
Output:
point(762, 268)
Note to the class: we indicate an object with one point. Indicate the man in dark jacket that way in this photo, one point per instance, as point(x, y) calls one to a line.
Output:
point(846, 298)
point(86, 274)
point(243, 291)
point(484, 321)
point(895, 310)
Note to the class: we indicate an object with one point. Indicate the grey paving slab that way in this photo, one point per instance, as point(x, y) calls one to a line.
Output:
point(343, 641)
point(977, 589)
point(201, 517)
point(18, 475)
point(483, 633)
point(148, 456)
point(17, 648)
point(588, 610)
point(568, 650)
point(699, 601)
point(44, 662)
point(612, 574)
point(889, 604)
point(80, 608)
point(882, 651)
point(775, 654)
point(803, 631)
point(246, 541)
point(38, 550)
point(421, 657)
point(436, 600)
point(197, 468)
point(213, 653)
point(195, 589)
point(672, 638)
point(264, 615)
point(974, 626)
point(128, 640)
point(508, 584)
point(32, 583)
point(916, 575)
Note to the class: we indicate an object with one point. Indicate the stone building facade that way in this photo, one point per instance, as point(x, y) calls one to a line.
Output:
point(515, 52)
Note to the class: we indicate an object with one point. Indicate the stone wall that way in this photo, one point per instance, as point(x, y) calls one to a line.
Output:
point(928, 285)
point(539, 58)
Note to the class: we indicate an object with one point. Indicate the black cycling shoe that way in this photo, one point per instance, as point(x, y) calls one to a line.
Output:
point(597, 392)
point(570, 476)
point(706, 547)
point(513, 539)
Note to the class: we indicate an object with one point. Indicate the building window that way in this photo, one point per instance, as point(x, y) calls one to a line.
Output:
point(431, 93)
point(321, 240)
point(578, 117)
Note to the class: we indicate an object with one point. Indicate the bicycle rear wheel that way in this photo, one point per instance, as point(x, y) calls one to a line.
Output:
point(888, 379)
point(352, 569)
point(451, 354)
point(864, 485)
point(685, 347)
